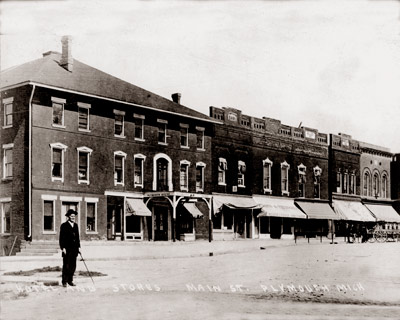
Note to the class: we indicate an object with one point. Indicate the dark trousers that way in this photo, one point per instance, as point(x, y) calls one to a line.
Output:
point(69, 266)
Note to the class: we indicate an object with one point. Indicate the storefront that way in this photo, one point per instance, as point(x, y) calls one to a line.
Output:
point(386, 216)
point(278, 217)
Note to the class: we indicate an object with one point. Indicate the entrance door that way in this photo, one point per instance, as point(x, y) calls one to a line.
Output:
point(114, 218)
point(160, 223)
point(276, 227)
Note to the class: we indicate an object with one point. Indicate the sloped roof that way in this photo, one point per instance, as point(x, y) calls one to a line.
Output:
point(89, 80)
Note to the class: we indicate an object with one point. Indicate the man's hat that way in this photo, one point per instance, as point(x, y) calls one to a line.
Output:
point(71, 211)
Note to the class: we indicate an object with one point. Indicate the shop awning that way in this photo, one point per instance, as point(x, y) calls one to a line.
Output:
point(137, 207)
point(384, 212)
point(318, 210)
point(278, 207)
point(193, 210)
point(233, 202)
point(352, 210)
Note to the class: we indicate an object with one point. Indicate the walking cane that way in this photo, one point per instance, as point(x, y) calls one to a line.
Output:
point(86, 267)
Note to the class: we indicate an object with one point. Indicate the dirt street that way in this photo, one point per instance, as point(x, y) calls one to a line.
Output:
point(352, 281)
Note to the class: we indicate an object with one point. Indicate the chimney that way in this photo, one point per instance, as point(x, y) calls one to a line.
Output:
point(66, 57)
point(176, 97)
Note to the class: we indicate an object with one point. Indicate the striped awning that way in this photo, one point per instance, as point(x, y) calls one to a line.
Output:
point(318, 210)
point(136, 207)
point(193, 210)
point(352, 210)
point(233, 202)
point(384, 212)
point(278, 207)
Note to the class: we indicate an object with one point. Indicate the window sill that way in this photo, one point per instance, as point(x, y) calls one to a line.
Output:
point(285, 193)
point(83, 182)
point(222, 184)
point(49, 232)
point(185, 189)
point(84, 130)
point(267, 191)
point(118, 184)
point(7, 127)
point(57, 179)
point(140, 139)
point(241, 186)
point(119, 136)
point(58, 126)
point(222, 230)
point(7, 179)
point(138, 186)
point(92, 232)
point(199, 190)
point(185, 147)
point(162, 143)
point(201, 149)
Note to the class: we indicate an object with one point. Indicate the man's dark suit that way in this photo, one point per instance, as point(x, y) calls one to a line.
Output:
point(69, 240)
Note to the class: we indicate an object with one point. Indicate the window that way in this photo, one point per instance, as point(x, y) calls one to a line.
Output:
point(5, 215)
point(119, 123)
point(58, 111)
point(139, 162)
point(352, 184)
point(285, 178)
point(376, 185)
point(83, 164)
point(57, 161)
point(83, 116)
point(302, 180)
point(223, 221)
point(139, 126)
point(367, 184)
point(48, 215)
point(184, 175)
point(70, 203)
point(317, 181)
point(338, 182)
point(384, 186)
point(200, 138)
point(8, 160)
point(267, 165)
point(91, 215)
point(162, 131)
point(184, 135)
point(119, 166)
point(162, 173)
point(200, 176)
point(222, 168)
point(345, 182)
point(8, 112)
point(241, 172)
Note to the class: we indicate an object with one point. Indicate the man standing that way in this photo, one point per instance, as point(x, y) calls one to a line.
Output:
point(69, 244)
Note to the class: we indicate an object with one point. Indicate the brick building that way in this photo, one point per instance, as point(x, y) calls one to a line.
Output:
point(135, 166)
point(267, 177)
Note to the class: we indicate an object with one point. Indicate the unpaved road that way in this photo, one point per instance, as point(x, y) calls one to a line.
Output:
point(356, 281)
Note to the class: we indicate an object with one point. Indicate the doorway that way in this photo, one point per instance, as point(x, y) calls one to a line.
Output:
point(160, 223)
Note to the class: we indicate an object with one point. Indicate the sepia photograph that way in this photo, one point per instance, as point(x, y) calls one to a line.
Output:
point(200, 159)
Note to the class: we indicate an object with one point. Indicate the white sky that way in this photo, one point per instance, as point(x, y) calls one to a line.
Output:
point(332, 65)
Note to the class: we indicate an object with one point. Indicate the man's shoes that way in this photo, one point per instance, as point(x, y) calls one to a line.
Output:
point(64, 285)
point(72, 284)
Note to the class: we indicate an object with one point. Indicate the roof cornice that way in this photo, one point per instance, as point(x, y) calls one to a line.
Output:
point(107, 99)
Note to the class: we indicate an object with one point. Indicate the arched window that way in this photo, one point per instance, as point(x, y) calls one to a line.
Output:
point(162, 173)
point(367, 184)
point(376, 184)
point(384, 186)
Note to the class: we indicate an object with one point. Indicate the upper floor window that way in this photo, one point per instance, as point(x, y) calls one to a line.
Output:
point(162, 131)
point(162, 173)
point(352, 189)
point(345, 182)
point(285, 178)
point(367, 184)
point(200, 138)
point(376, 185)
point(8, 111)
point(83, 116)
point(58, 111)
point(139, 126)
point(184, 175)
point(139, 168)
point(267, 165)
point(200, 166)
point(5, 215)
point(83, 164)
point(184, 135)
point(384, 186)
point(57, 161)
point(119, 123)
point(241, 172)
point(302, 180)
point(222, 168)
point(119, 167)
point(317, 181)
point(8, 160)
point(338, 182)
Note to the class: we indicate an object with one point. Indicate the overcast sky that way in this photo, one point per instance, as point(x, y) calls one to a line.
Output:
point(332, 65)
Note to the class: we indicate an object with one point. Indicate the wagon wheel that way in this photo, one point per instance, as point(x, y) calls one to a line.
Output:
point(371, 237)
point(380, 236)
